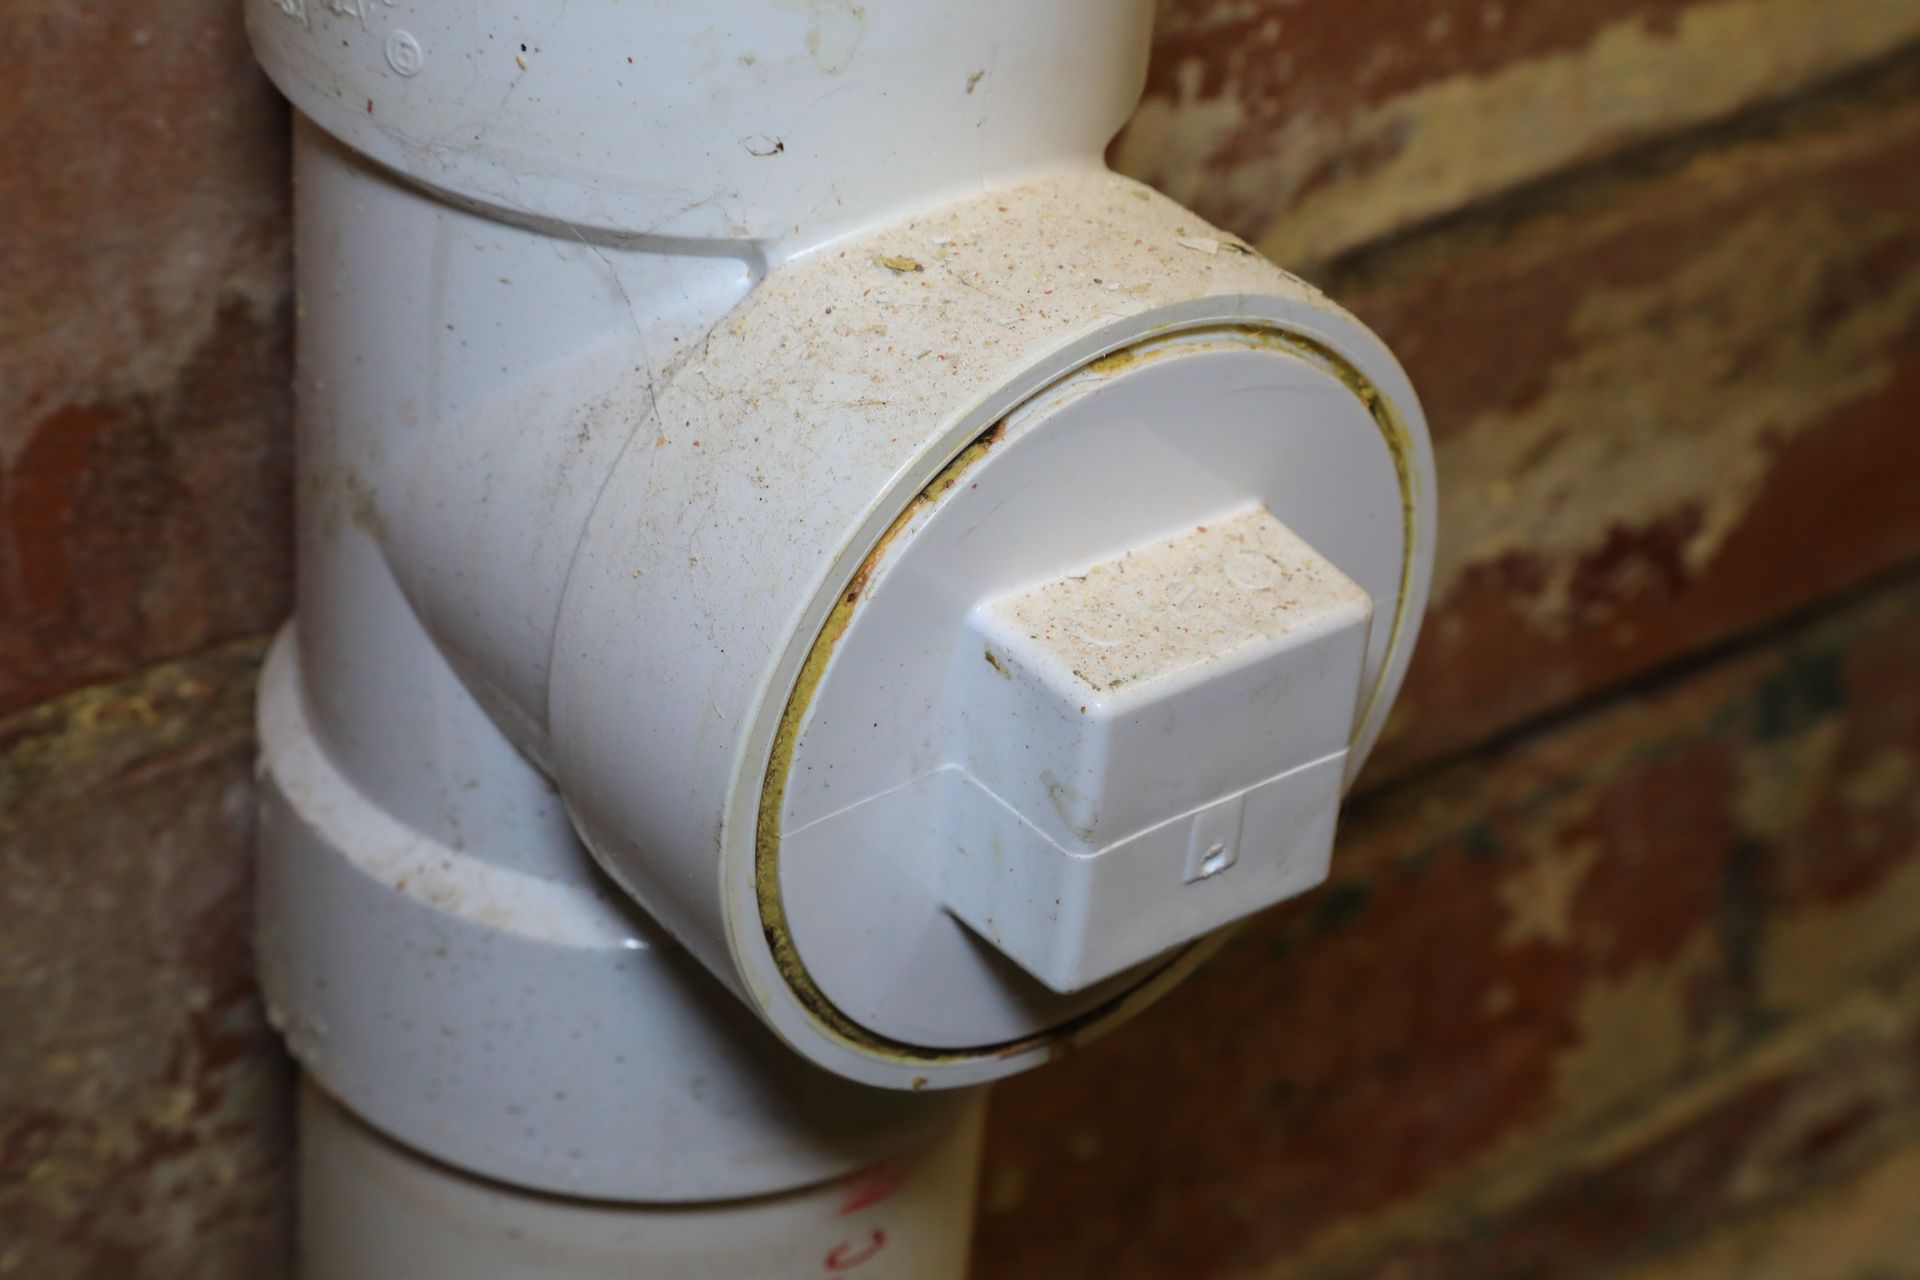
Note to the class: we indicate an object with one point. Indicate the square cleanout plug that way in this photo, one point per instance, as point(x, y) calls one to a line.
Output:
point(1155, 746)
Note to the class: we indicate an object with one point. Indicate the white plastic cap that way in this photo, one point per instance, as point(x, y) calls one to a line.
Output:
point(1154, 746)
point(1094, 696)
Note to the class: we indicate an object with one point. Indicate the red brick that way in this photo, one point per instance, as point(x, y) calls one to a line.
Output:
point(1829, 1105)
point(143, 1099)
point(1669, 405)
point(1858, 1225)
point(144, 369)
point(137, 529)
point(1314, 126)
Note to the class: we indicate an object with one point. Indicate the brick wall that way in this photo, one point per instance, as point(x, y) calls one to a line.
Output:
point(1615, 974)
point(144, 551)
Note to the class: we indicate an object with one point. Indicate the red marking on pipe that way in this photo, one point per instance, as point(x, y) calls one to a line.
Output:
point(846, 1255)
point(873, 1187)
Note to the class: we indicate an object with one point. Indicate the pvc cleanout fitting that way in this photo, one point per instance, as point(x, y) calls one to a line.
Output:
point(814, 595)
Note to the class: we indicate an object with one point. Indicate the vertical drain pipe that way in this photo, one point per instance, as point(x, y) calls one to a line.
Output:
point(498, 204)
point(644, 346)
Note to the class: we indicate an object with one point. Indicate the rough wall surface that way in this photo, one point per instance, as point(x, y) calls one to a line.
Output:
point(1614, 976)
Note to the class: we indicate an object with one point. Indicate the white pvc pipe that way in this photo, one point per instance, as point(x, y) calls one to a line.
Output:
point(371, 1209)
point(499, 207)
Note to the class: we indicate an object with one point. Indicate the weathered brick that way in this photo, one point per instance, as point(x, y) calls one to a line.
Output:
point(1743, 1145)
point(1670, 402)
point(143, 1101)
point(1862, 1227)
point(1313, 126)
point(144, 370)
point(1516, 953)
